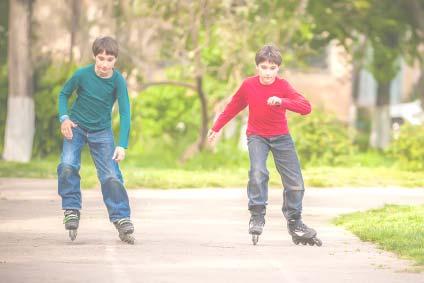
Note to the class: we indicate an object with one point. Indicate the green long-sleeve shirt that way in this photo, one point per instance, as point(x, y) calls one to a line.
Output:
point(92, 109)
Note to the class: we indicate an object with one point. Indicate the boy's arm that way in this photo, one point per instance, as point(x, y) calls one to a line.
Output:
point(295, 102)
point(124, 112)
point(64, 95)
point(238, 102)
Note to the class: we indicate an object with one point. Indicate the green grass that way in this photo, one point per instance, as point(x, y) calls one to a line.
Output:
point(394, 228)
point(139, 176)
point(358, 176)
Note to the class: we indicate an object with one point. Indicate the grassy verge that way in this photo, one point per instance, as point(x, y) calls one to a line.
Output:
point(136, 176)
point(393, 228)
point(358, 176)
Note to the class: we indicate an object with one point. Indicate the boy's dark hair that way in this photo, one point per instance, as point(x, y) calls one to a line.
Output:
point(105, 44)
point(268, 53)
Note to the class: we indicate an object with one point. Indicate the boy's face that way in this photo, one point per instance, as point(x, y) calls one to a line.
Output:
point(104, 64)
point(267, 72)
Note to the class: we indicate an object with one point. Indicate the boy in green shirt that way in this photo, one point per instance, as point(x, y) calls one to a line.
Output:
point(88, 121)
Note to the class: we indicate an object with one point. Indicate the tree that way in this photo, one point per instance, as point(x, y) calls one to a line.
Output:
point(187, 27)
point(416, 10)
point(383, 26)
point(199, 38)
point(20, 126)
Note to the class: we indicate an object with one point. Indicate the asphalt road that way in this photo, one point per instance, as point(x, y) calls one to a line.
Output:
point(193, 235)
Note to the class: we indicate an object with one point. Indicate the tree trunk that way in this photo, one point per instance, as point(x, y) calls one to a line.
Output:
point(198, 17)
point(20, 127)
point(353, 109)
point(204, 107)
point(200, 143)
point(380, 123)
point(419, 86)
point(75, 16)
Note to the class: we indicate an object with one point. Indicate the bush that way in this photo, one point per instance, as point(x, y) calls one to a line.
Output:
point(49, 80)
point(321, 139)
point(167, 113)
point(407, 149)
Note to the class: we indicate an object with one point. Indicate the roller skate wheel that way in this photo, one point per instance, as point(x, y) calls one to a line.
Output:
point(317, 242)
point(296, 241)
point(130, 240)
point(73, 234)
point(127, 238)
point(255, 239)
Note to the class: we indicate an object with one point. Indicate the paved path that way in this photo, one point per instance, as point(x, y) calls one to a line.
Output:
point(194, 235)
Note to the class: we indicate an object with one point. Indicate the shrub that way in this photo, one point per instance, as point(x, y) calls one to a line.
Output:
point(321, 139)
point(407, 149)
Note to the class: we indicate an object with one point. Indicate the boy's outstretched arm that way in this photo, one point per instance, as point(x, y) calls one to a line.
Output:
point(237, 103)
point(124, 119)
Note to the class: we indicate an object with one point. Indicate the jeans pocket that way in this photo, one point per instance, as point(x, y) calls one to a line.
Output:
point(251, 138)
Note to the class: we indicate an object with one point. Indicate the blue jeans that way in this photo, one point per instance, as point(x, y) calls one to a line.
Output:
point(102, 147)
point(287, 163)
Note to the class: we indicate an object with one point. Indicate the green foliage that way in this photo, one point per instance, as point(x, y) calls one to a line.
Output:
point(408, 148)
point(372, 158)
point(363, 128)
point(49, 79)
point(168, 116)
point(154, 153)
point(227, 155)
point(321, 139)
point(4, 25)
point(166, 119)
point(388, 27)
point(166, 113)
point(264, 22)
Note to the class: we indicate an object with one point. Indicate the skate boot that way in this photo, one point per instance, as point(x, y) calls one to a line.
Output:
point(302, 234)
point(256, 226)
point(71, 221)
point(125, 229)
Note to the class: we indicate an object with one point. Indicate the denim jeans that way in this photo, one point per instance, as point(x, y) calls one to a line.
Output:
point(102, 146)
point(287, 164)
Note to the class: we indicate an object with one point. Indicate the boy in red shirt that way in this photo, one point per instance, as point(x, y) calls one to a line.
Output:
point(268, 97)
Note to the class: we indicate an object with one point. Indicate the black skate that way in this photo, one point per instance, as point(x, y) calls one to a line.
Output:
point(125, 229)
point(302, 234)
point(71, 221)
point(256, 226)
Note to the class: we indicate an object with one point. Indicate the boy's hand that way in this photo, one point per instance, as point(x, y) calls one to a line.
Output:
point(211, 135)
point(119, 154)
point(274, 100)
point(66, 128)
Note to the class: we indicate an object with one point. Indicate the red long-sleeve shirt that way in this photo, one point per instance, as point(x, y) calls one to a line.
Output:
point(264, 120)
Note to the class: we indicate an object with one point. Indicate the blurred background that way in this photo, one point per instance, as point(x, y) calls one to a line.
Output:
point(359, 62)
